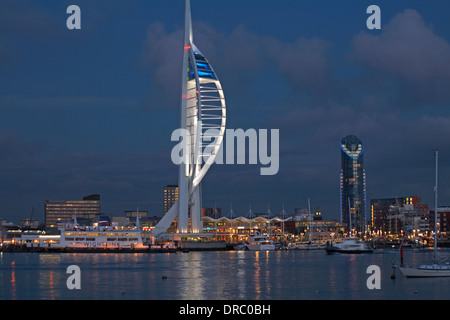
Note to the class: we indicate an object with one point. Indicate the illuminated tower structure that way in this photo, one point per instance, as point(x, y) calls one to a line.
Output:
point(203, 115)
point(353, 184)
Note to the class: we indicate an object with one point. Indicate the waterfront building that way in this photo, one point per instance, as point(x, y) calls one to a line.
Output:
point(302, 214)
point(379, 210)
point(212, 212)
point(136, 213)
point(203, 117)
point(64, 210)
point(321, 230)
point(406, 218)
point(120, 221)
point(353, 184)
point(238, 229)
point(170, 196)
point(2, 234)
point(10, 234)
point(443, 223)
point(29, 223)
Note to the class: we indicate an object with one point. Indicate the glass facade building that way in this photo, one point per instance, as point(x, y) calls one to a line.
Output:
point(353, 184)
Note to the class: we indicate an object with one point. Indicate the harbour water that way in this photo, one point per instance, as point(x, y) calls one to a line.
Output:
point(215, 275)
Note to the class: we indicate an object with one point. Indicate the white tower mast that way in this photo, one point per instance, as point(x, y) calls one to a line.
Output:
point(203, 115)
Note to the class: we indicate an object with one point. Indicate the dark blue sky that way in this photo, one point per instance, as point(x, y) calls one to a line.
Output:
point(92, 110)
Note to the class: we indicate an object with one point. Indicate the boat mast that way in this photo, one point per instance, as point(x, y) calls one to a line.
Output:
point(350, 217)
point(137, 218)
point(435, 204)
point(283, 214)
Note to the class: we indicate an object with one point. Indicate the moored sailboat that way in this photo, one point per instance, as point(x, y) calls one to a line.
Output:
point(310, 245)
point(439, 267)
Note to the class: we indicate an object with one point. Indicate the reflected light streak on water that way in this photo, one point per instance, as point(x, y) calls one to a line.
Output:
point(13, 281)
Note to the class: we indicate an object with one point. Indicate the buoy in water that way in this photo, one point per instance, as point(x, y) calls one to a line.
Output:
point(393, 272)
point(164, 277)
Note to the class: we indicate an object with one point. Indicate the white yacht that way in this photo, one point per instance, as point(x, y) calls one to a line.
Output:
point(349, 245)
point(439, 267)
point(259, 242)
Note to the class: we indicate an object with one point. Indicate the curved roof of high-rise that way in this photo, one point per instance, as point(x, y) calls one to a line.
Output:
point(352, 146)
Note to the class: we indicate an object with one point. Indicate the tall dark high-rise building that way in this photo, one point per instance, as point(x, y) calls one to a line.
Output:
point(353, 184)
point(170, 196)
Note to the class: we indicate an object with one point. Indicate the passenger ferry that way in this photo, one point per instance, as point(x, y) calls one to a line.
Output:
point(73, 236)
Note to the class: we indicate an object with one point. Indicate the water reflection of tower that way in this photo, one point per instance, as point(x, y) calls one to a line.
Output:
point(353, 183)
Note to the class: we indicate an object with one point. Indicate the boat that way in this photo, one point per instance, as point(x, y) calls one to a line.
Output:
point(440, 266)
point(258, 242)
point(240, 247)
point(440, 269)
point(349, 245)
point(310, 245)
point(74, 236)
point(305, 246)
point(292, 246)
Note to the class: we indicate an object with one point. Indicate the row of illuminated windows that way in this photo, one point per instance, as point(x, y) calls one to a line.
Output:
point(73, 204)
point(108, 239)
point(96, 234)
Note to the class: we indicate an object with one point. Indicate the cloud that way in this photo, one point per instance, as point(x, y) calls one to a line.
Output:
point(20, 19)
point(58, 102)
point(304, 63)
point(13, 150)
point(394, 68)
point(233, 56)
point(240, 58)
point(162, 53)
point(410, 53)
point(398, 150)
point(121, 178)
point(23, 23)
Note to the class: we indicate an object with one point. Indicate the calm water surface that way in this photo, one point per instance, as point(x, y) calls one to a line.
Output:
point(275, 275)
